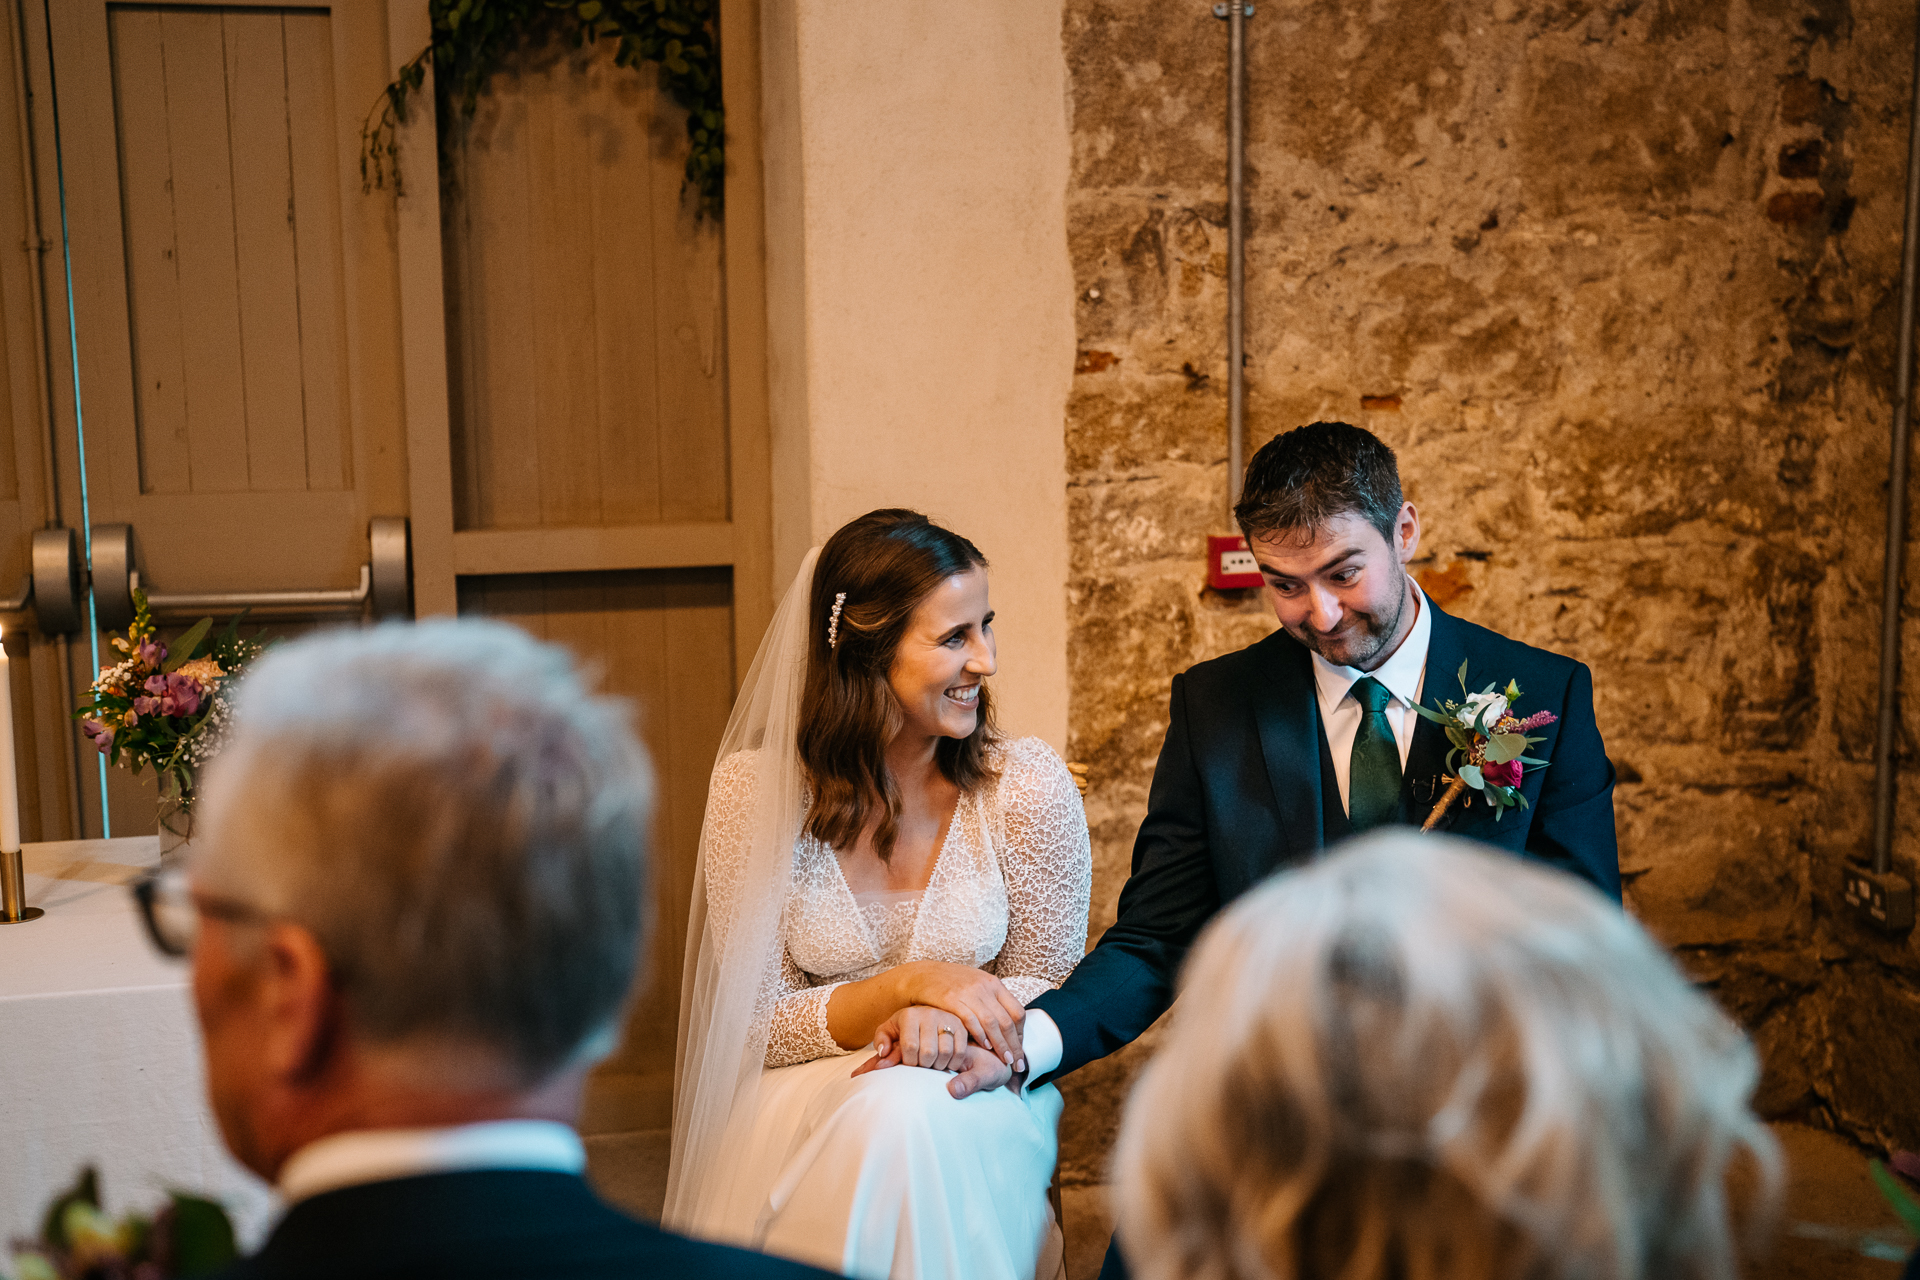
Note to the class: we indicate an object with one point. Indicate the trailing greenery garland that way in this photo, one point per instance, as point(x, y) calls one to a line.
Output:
point(473, 38)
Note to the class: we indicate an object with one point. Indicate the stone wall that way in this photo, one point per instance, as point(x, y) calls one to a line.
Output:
point(1618, 281)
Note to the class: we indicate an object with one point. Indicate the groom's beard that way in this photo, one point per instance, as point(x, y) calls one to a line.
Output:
point(1364, 642)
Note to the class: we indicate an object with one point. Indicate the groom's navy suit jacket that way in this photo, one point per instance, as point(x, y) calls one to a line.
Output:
point(1245, 787)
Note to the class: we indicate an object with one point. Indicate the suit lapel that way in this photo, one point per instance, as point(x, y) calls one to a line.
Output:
point(1427, 756)
point(1286, 713)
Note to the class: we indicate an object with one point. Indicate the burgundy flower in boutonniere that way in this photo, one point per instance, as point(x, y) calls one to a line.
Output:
point(1502, 775)
point(1490, 745)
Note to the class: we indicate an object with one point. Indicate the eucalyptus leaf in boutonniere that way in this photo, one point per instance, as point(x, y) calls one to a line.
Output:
point(1490, 744)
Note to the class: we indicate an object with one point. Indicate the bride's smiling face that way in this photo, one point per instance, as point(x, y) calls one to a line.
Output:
point(946, 652)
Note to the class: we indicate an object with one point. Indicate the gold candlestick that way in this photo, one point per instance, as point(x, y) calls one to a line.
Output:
point(13, 890)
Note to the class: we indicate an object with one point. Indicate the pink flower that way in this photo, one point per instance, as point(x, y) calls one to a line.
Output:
point(1502, 775)
point(98, 734)
point(178, 695)
point(146, 706)
point(1538, 720)
point(152, 653)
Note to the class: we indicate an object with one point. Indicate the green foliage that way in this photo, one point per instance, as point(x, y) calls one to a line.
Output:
point(85, 1190)
point(190, 1236)
point(1896, 1195)
point(202, 1236)
point(473, 38)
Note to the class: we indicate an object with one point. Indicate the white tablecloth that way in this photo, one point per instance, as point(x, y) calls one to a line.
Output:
point(99, 1051)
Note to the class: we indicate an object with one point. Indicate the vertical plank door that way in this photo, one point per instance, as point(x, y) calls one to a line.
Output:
point(237, 370)
point(606, 453)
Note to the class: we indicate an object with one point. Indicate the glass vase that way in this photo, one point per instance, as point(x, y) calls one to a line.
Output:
point(176, 815)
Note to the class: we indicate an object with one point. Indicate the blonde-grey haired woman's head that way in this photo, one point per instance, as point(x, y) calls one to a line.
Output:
point(1421, 1059)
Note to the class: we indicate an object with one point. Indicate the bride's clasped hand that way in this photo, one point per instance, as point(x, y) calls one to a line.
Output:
point(944, 1011)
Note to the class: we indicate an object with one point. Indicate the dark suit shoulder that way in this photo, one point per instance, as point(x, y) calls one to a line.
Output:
point(1493, 657)
point(500, 1223)
point(702, 1257)
point(1278, 652)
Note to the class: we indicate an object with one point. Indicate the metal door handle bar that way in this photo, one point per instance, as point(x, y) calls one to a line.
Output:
point(386, 583)
point(274, 602)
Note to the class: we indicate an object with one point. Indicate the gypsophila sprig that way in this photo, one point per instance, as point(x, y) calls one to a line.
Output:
point(1489, 752)
point(164, 707)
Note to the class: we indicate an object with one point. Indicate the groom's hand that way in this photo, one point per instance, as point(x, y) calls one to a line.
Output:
point(980, 1070)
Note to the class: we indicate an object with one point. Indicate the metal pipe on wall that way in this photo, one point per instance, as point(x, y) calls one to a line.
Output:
point(1885, 780)
point(1236, 15)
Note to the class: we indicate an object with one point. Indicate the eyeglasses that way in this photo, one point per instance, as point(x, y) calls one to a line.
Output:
point(172, 910)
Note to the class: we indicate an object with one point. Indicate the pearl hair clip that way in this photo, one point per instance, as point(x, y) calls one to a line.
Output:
point(833, 622)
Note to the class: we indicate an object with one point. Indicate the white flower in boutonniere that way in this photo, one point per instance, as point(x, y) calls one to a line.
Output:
point(1490, 746)
point(1484, 710)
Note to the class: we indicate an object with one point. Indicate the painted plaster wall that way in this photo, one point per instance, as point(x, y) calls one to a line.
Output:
point(1617, 280)
point(920, 296)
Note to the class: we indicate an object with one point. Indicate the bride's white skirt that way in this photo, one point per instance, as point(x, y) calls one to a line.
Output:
point(889, 1175)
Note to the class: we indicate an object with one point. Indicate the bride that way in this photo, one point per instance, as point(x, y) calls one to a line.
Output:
point(873, 848)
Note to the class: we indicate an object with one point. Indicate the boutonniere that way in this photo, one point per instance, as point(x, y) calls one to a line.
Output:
point(1490, 744)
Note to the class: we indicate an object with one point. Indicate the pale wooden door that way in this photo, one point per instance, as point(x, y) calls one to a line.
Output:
point(233, 301)
point(605, 450)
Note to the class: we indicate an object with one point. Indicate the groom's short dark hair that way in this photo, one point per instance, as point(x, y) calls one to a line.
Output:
point(1305, 477)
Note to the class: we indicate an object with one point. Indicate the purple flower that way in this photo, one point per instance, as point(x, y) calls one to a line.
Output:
point(98, 734)
point(178, 695)
point(152, 653)
point(146, 706)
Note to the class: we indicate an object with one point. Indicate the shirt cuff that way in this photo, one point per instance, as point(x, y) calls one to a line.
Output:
point(1040, 1039)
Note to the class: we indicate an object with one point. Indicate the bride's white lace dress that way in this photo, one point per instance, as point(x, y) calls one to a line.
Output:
point(887, 1174)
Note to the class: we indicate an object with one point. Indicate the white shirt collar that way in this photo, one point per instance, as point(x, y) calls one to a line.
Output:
point(379, 1155)
point(1403, 673)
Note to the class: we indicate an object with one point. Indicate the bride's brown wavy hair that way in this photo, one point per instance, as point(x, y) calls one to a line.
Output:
point(886, 562)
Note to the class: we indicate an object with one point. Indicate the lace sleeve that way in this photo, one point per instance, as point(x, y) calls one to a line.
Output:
point(1048, 864)
point(798, 1026)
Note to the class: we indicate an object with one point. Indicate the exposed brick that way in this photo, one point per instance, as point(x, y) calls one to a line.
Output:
point(1617, 283)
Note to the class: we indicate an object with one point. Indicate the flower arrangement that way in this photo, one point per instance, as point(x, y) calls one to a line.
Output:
point(162, 706)
point(189, 1236)
point(1489, 753)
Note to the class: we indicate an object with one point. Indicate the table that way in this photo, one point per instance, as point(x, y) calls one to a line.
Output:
point(100, 1052)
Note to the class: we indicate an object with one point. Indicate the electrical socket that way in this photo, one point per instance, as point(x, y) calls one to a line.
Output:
point(1883, 901)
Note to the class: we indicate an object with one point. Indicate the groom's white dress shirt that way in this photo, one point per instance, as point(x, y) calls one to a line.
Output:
point(378, 1155)
point(1404, 675)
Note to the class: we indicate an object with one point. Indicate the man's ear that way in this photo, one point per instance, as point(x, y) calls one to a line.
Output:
point(300, 1008)
point(1407, 529)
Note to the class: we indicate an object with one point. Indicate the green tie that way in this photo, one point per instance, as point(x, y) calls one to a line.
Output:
point(1373, 781)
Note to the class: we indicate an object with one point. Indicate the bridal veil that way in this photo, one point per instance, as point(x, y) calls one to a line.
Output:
point(731, 963)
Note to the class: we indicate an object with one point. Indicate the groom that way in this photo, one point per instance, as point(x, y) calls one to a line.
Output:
point(1277, 751)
